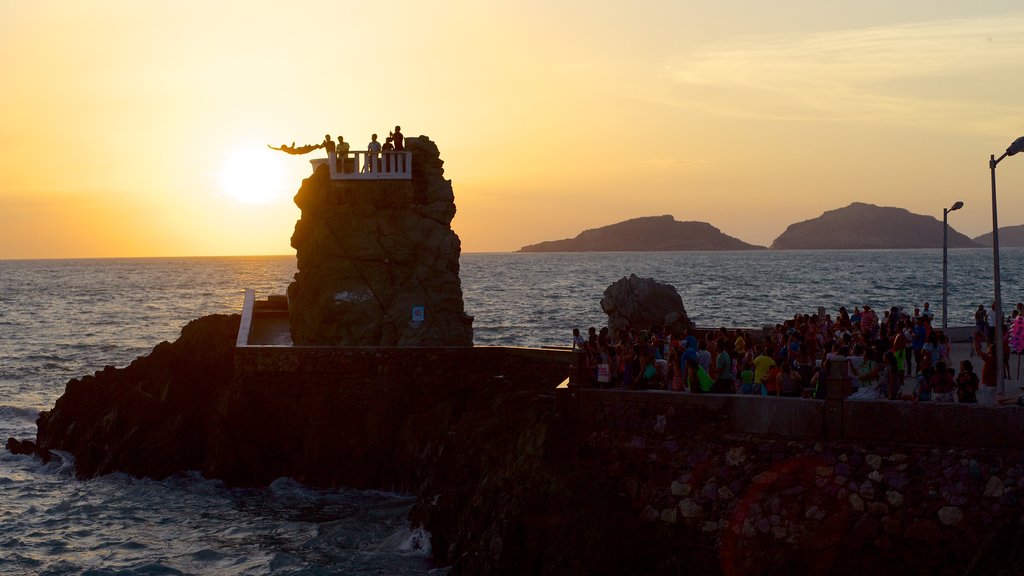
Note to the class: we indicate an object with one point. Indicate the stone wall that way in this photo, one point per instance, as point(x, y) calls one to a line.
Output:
point(789, 502)
point(365, 417)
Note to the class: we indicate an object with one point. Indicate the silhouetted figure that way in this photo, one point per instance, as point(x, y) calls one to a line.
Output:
point(328, 146)
point(372, 153)
point(398, 138)
point(388, 146)
point(293, 150)
point(343, 161)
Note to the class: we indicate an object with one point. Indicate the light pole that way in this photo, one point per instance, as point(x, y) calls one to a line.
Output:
point(997, 304)
point(945, 234)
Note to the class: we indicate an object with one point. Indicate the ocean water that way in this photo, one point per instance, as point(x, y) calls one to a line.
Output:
point(61, 319)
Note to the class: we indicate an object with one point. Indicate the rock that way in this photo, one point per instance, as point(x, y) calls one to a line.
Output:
point(766, 477)
point(378, 262)
point(815, 513)
point(994, 487)
point(873, 460)
point(668, 516)
point(642, 303)
point(689, 509)
point(950, 515)
point(894, 498)
point(735, 456)
point(156, 416)
point(649, 514)
point(680, 489)
point(867, 490)
point(856, 502)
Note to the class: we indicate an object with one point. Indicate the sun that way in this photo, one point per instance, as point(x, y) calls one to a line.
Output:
point(254, 175)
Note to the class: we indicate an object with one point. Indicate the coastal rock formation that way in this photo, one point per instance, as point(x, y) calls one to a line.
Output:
point(156, 416)
point(647, 234)
point(642, 303)
point(378, 262)
point(1009, 237)
point(866, 226)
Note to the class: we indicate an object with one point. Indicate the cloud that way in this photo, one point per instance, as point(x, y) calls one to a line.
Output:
point(966, 72)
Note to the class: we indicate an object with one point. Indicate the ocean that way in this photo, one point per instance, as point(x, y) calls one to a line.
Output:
point(61, 319)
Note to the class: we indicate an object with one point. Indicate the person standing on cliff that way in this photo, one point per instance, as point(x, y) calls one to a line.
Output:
point(372, 153)
point(342, 151)
point(398, 138)
point(328, 145)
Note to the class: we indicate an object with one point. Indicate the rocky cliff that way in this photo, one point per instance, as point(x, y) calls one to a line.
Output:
point(648, 234)
point(865, 226)
point(378, 261)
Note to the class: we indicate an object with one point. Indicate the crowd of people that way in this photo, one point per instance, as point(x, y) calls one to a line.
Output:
point(893, 355)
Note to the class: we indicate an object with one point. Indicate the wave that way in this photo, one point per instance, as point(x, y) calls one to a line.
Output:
point(8, 412)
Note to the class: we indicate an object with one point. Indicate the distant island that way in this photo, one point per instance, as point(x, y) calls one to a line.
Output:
point(647, 234)
point(866, 226)
point(859, 226)
point(1009, 237)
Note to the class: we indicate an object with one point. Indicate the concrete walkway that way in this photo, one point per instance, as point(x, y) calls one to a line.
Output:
point(960, 351)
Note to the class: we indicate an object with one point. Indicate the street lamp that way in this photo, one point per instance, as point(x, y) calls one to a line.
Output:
point(945, 234)
point(997, 304)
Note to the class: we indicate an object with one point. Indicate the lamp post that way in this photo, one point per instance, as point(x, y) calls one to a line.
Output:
point(997, 304)
point(945, 234)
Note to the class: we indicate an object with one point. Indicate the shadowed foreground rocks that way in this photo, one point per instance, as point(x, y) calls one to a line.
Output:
point(506, 487)
point(155, 417)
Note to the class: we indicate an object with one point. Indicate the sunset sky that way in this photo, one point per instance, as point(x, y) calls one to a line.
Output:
point(125, 123)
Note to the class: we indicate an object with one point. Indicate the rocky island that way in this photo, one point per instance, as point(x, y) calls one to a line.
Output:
point(866, 226)
point(647, 234)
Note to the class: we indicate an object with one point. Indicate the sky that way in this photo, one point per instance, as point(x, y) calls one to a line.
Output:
point(134, 128)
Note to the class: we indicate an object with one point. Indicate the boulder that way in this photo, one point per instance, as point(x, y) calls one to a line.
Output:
point(642, 303)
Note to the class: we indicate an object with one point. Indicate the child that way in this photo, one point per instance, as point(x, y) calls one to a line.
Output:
point(747, 380)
